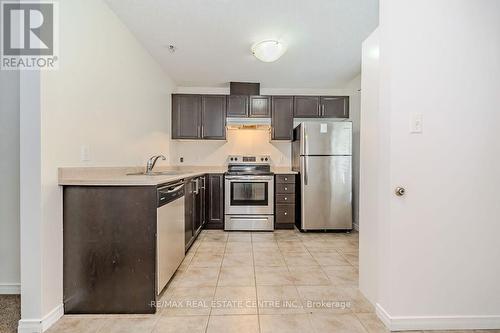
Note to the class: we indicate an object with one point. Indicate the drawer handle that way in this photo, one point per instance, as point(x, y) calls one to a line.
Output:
point(286, 213)
point(286, 178)
point(286, 188)
point(286, 198)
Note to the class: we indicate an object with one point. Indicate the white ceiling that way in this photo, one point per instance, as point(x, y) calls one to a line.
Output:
point(213, 39)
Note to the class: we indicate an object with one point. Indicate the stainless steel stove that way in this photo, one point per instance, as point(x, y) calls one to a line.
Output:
point(249, 193)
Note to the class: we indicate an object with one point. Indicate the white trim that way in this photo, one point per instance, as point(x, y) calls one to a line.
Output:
point(403, 323)
point(10, 288)
point(41, 325)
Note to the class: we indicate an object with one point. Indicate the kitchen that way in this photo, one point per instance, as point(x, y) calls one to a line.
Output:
point(163, 210)
point(254, 166)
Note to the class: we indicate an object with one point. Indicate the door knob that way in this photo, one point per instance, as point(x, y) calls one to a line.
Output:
point(400, 191)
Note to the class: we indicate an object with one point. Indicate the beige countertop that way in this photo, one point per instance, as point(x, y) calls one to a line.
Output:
point(118, 176)
point(283, 170)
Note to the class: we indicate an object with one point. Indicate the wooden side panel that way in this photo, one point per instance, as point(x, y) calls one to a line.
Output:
point(109, 250)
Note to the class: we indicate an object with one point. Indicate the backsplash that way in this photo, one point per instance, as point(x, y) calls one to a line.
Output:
point(239, 142)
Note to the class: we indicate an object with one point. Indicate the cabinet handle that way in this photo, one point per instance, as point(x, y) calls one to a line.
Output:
point(286, 198)
point(197, 186)
point(286, 178)
point(286, 213)
point(323, 110)
point(286, 188)
point(202, 132)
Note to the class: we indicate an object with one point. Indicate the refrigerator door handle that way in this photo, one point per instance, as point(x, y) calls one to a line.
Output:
point(305, 170)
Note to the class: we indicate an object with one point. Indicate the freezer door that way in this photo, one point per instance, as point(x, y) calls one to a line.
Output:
point(326, 191)
point(326, 138)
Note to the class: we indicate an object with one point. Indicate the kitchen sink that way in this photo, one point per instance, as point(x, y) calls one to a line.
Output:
point(155, 173)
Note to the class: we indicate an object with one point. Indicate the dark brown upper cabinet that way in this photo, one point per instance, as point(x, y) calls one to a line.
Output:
point(306, 107)
point(260, 106)
point(198, 116)
point(282, 117)
point(213, 116)
point(186, 116)
point(237, 106)
point(321, 107)
point(334, 107)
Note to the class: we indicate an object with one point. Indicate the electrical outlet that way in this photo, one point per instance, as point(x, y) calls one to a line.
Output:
point(84, 153)
point(181, 159)
point(416, 123)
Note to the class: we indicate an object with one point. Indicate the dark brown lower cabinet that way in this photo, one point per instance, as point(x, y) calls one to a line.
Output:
point(194, 201)
point(215, 202)
point(109, 249)
point(284, 199)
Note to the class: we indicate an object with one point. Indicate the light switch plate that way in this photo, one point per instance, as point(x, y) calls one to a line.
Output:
point(416, 123)
point(84, 153)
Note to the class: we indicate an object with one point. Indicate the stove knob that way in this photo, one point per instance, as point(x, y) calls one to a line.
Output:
point(262, 159)
point(236, 158)
point(266, 159)
point(231, 158)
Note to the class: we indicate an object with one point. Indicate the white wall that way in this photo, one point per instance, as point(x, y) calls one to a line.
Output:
point(439, 245)
point(110, 95)
point(9, 180)
point(369, 182)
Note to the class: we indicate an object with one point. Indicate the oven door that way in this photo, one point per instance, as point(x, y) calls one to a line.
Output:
point(249, 195)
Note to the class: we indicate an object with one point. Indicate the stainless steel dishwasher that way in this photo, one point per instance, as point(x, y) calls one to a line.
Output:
point(170, 248)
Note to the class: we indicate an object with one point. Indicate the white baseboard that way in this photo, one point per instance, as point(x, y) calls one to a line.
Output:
point(410, 323)
point(10, 288)
point(41, 325)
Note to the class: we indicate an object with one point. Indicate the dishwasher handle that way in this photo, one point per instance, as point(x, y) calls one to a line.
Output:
point(170, 193)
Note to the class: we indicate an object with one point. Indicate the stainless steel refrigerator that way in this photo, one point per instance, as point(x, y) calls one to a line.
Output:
point(322, 154)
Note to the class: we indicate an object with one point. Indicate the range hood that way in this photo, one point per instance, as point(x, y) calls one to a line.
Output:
point(249, 123)
point(247, 88)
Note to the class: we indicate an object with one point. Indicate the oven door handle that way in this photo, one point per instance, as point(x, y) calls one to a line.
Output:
point(250, 178)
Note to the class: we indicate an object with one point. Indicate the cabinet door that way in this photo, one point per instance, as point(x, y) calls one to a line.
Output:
point(282, 117)
point(335, 107)
point(213, 114)
point(306, 106)
point(260, 106)
point(237, 106)
point(215, 201)
point(186, 116)
point(189, 212)
point(203, 199)
point(197, 214)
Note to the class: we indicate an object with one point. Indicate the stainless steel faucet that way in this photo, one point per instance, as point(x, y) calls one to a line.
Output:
point(152, 162)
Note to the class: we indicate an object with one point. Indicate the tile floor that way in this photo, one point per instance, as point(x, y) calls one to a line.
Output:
point(242, 282)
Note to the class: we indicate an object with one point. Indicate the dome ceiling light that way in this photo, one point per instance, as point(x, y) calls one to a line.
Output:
point(268, 50)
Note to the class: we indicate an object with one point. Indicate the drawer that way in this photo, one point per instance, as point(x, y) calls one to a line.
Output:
point(283, 179)
point(285, 188)
point(285, 199)
point(285, 213)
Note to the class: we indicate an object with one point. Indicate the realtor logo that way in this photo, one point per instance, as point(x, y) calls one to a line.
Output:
point(29, 35)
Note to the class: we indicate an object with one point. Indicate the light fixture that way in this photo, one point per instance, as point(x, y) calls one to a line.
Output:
point(268, 50)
